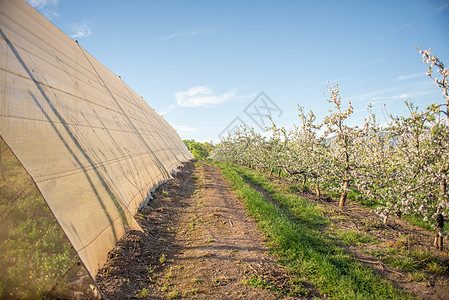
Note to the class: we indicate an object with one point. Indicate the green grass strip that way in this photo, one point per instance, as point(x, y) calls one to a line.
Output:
point(293, 228)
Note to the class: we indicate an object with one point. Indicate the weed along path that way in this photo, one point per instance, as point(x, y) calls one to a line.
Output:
point(199, 242)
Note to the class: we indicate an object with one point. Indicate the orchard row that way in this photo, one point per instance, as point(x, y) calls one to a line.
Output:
point(403, 166)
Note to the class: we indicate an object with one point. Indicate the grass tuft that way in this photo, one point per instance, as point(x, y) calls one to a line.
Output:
point(355, 238)
point(143, 293)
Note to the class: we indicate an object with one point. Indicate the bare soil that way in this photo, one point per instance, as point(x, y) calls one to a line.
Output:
point(198, 242)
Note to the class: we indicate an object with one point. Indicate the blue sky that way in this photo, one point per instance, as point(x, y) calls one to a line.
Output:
point(201, 63)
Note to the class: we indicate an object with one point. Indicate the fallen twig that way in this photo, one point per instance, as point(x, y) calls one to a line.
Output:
point(381, 264)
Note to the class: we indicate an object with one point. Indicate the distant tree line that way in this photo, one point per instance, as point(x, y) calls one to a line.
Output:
point(200, 151)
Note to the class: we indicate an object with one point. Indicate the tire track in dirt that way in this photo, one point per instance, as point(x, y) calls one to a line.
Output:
point(199, 243)
point(221, 247)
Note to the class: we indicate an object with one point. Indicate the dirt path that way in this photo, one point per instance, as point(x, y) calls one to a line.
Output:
point(199, 243)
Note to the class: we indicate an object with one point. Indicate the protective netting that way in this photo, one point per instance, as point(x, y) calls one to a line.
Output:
point(93, 147)
point(36, 259)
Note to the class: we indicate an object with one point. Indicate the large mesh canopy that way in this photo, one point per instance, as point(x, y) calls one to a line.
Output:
point(36, 259)
point(93, 147)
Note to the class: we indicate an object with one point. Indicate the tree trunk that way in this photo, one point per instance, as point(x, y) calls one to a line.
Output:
point(317, 191)
point(279, 172)
point(438, 243)
point(271, 171)
point(344, 193)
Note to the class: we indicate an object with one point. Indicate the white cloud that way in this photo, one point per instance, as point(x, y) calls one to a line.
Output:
point(371, 62)
point(367, 96)
point(309, 83)
point(46, 7)
point(442, 7)
point(38, 4)
point(398, 29)
point(337, 80)
point(372, 79)
point(179, 34)
point(201, 96)
point(320, 82)
point(381, 94)
point(184, 128)
point(163, 112)
point(402, 96)
point(410, 76)
point(415, 95)
point(247, 77)
point(378, 98)
point(80, 30)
